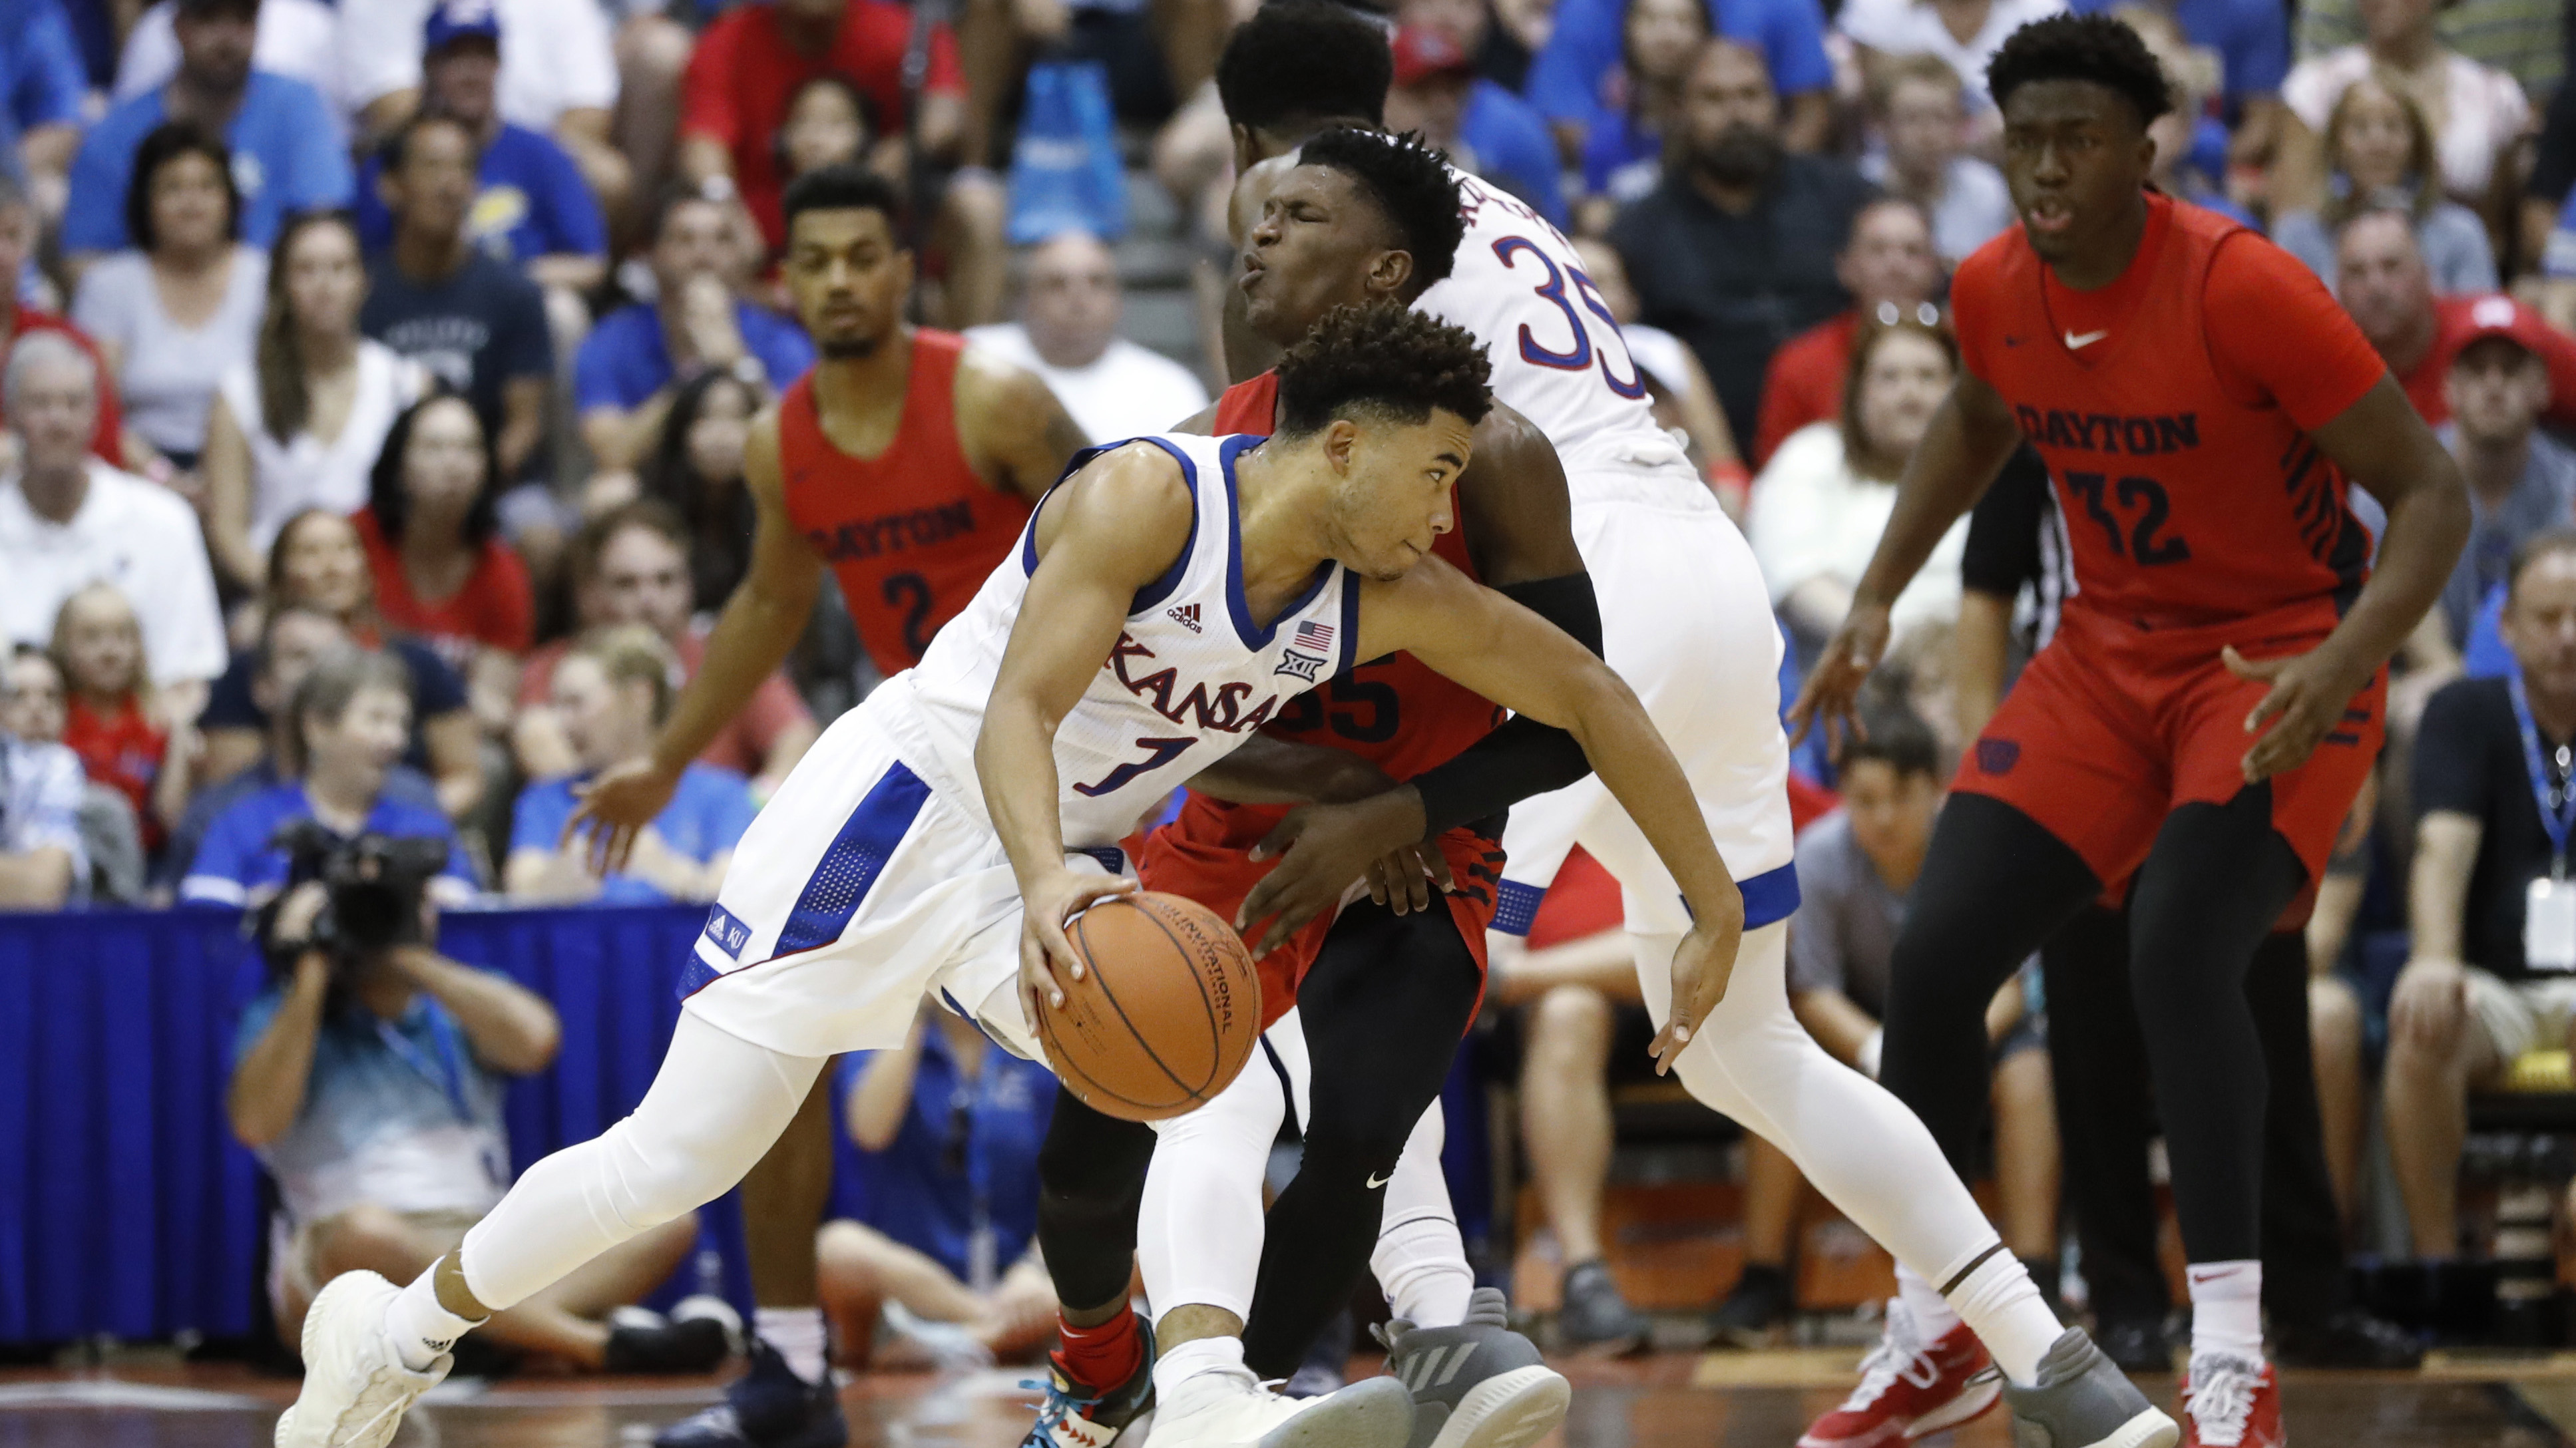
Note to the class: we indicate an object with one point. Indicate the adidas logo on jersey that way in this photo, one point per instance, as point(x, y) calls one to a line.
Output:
point(1187, 616)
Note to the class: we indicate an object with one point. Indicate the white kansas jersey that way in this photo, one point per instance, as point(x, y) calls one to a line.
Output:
point(1558, 358)
point(1190, 678)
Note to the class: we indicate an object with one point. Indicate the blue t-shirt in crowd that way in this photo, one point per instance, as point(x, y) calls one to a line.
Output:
point(706, 817)
point(1513, 149)
point(626, 359)
point(1621, 159)
point(285, 160)
point(1569, 77)
point(962, 1142)
point(41, 80)
point(532, 202)
point(2252, 38)
point(236, 861)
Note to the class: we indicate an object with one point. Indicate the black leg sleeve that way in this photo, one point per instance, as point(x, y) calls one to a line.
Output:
point(1384, 1008)
point(1994, 886)
point(2098, 1065)
point(1091, 1178)
point(2303, 1253)
point(2216, 880)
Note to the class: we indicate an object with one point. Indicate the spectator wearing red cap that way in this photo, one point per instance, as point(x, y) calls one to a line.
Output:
point(1484, 128)
point(2383, 282)
point(2521, 484)
point(747, 70)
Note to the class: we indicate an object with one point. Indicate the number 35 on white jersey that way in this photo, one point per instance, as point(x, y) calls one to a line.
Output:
point(1557, 355)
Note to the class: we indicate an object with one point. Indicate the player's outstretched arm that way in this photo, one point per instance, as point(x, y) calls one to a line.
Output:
point(1510, 655)
point(1963, 448)
point(752, 637)
point(1113, 528)
point(2381, 443)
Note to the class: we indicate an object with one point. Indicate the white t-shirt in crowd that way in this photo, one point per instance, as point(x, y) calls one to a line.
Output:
point(1913, 27)
point(297, 38)
point(139, 536)
point(2475, 110)
point(556, 55)
point(306, 472)
point(166, 373)
point(1812, 517)
point(1128, 392)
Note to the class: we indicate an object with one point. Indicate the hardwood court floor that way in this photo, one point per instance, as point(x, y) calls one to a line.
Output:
point(1673, 1401)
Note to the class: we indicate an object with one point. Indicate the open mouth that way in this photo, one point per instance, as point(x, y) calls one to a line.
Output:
point(2049, 214)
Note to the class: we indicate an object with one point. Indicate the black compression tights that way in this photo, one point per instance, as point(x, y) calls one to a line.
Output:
point(1384, 1007)
point(1995, 886)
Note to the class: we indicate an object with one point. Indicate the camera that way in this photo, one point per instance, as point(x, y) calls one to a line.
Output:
point(374, 885)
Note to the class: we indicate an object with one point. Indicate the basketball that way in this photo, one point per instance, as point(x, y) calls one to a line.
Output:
point(1166, 1012)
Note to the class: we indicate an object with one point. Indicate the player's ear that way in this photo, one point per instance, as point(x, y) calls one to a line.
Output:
point(1341, 444)
point(1388, 274)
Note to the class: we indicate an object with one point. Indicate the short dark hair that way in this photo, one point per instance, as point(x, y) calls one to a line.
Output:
point(278, 611)
point(1305, 60)
point(396, 147)
point(2534, 548)
point(650, 514)
point(2096, 48)
point(842, 186)
point(1410, 182)
point(165, 143)
point(391, 502)
point(334, 684)
point(1895, 735)
point(1385, 358)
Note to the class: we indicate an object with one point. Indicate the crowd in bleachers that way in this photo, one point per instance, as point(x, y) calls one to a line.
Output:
point(378, 375)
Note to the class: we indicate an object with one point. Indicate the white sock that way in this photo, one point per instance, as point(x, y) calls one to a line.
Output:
point(420, 1327)
point(1201, 1355)
point(1931, 1310)
point(2227, 1308)
point(1424, 1270)
point(799, 1336)
point(2003, 1306)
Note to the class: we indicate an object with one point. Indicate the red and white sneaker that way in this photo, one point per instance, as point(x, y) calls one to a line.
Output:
point(2231, 1402)
point(1909, 1388)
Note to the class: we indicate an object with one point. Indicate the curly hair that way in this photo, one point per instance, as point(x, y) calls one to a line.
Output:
point(1383, 358)
point(1304, 60)
point(1410, 182)
point(2096, 48)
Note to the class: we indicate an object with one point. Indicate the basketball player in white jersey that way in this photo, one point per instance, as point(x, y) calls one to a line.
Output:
point(1686, 621)
point(937, 838)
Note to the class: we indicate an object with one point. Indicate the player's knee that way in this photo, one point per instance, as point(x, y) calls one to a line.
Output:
point(1570, 1022)
point(649, 1183)
point(1361, 1157)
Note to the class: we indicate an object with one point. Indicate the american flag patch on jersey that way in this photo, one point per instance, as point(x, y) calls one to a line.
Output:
point(1316, 636)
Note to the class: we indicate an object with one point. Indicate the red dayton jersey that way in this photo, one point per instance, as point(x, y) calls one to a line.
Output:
point(2173, 409)
point(911, 532)
point(1393, 712)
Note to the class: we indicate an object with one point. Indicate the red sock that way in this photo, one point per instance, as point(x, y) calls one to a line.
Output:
point(1101, 1357)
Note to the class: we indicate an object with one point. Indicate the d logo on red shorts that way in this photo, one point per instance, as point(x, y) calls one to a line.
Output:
point(1998, 756)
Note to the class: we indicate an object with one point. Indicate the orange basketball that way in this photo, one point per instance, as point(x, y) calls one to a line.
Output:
point(1166, 1012)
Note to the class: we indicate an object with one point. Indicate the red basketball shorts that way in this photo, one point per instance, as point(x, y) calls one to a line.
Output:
point(1218, 873)
point(2113, 726)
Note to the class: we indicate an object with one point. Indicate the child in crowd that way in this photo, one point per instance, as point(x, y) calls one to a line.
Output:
point(111, 719)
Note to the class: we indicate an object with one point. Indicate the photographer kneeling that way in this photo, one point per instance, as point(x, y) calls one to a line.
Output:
point(368, 1077)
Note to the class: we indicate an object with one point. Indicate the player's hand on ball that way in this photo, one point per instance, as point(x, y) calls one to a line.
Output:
point(613, 809)
point(1831, 696)
point(1044, 950)
point(2309, 693)
point(1701, 969)
point(1321, 849)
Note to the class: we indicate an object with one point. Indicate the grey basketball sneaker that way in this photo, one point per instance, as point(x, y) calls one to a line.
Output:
point(1476, 1385)
point(2082, 1400)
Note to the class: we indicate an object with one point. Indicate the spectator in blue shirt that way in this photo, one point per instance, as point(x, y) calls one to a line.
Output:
point(612, 692)
point(284, 157)
point(352, 717)
point(1575, 82)
point(1485, 129)
point(42, 861)
point(936, 1209)
point(41, 85)
point(533, 210)
point(370, 1085)
point(640, 355)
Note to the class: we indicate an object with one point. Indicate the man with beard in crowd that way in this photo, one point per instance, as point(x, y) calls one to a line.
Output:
point(1734, 250)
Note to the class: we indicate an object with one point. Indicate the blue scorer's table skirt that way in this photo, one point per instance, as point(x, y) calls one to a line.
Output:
point(125, 1205)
